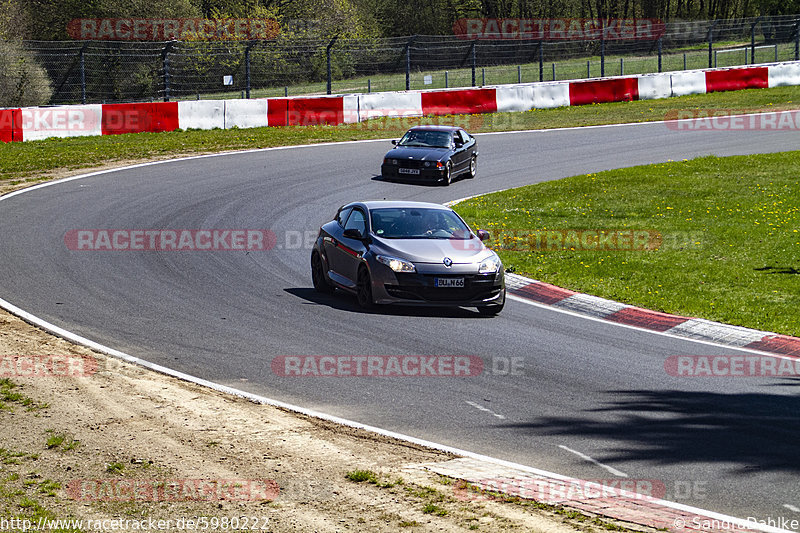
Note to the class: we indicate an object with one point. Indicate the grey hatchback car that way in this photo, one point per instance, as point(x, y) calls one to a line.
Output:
point(411, 253)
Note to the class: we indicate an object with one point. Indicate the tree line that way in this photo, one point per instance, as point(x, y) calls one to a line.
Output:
point(48, 19)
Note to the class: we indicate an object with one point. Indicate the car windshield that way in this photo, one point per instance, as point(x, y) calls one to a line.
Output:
point(418, 223)
point(432, 139)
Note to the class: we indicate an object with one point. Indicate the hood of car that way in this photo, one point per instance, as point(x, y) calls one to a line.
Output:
point(418, 153)
point(434, 250)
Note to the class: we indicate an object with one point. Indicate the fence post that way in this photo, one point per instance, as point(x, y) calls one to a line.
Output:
point(328, 56)
point(408, 63)
point(247, 67)
point(165, 59)
point(519, 74)
point(752, 42)
point(660, 44)
point(474, 61)
point(602, 50)
point(541, 61)
point(797, 41)
point(83, 73)
point(711, 42)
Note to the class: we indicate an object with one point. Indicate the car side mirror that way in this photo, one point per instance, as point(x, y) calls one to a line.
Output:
point(483, 235)
point(394, 142)
point(459, 144)
point(353, 233)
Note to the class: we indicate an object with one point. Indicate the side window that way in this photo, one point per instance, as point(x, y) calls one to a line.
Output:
point(342, 216)
point(464, 136)
point(358, 221)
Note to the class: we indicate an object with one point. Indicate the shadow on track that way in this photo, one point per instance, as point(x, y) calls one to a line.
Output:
point(347, 302)
point(753, 431)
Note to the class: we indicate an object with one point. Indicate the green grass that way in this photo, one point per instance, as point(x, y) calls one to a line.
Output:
point(730, 226)
point(9, 395)
point(115, 468)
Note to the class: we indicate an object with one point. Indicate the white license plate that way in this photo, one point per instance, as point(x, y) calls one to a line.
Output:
point(448, 282)
point(408, 170)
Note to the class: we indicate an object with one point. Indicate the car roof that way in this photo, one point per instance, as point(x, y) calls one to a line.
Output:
point(378, 204)
point(448, 129)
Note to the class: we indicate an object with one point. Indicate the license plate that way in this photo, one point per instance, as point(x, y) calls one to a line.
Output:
point(408, 170)
point(448, 282)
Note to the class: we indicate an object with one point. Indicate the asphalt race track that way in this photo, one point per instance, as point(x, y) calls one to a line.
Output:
point(726, 445)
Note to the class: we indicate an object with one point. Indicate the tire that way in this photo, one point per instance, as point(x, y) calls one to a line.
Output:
point(473, 167)
point(318, 276)
point(364, 289)
point(448, 173)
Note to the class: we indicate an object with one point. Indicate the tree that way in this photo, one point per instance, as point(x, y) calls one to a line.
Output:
point(23, 82)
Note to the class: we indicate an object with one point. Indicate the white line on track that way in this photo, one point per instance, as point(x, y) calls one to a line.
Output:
point(482, 408)
point(594, 461)
point(792, 508)
point(73, 337)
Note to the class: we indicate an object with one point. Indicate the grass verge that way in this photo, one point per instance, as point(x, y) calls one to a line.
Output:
point(729, 249)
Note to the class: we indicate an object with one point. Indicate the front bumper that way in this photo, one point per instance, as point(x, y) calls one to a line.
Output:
point(425, 173)
point(419, 289)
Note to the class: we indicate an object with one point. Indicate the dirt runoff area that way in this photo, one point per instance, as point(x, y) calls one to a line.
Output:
point(91, 443)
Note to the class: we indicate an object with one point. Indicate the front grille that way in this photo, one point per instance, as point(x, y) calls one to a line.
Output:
point(420, 287)
point(410, 163)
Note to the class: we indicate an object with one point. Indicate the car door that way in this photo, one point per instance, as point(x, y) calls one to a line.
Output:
point(330, 242)
point(461, 156)
point(352, 250)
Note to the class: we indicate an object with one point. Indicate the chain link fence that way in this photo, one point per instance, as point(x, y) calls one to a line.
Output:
point(112, 71)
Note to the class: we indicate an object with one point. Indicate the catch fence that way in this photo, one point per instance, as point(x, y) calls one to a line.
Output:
point(113, 71)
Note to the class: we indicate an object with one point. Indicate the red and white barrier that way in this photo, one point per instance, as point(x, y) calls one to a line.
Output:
point(603, 91)
point(139, 118)
point(201, 114)
point(61, 121)
point(10, 125)
point(459, 102)
point(655, 86)
point(784, 74)
point(307, 111)
point(532, 96)
point(394, 104)
point(688, 82)
point(245, 114)
point(67, 121)
point(737, 79)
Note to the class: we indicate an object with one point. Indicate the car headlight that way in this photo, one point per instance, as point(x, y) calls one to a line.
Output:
point(398, 265)
point(490, 265)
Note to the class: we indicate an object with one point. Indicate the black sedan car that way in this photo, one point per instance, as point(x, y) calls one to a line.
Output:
point(410, 253)
point(434, 154)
